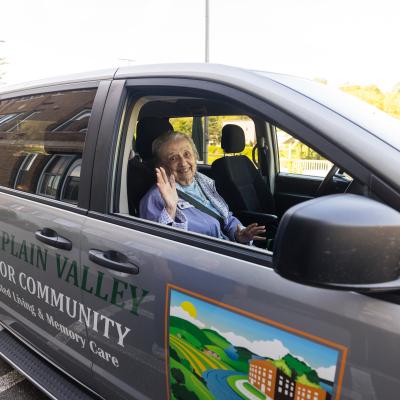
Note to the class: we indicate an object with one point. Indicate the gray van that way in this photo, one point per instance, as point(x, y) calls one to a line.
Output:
point(99, 302)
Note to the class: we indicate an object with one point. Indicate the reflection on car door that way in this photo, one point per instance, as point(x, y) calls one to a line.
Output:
point(41, 137)
point(126, 337)
point(39, 282)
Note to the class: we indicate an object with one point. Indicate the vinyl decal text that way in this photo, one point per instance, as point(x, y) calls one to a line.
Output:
point(68, 271)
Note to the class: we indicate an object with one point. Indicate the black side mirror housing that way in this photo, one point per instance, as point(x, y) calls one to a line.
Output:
point(341, 241)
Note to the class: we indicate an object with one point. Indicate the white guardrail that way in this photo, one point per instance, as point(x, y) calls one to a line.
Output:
point(306, 167)
point(296, 166)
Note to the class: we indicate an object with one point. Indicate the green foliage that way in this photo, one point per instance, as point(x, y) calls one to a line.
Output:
point(178, 375)
point(216, 338)
point(301, 372)
point(174, 354)
point(214, 129)
point(191, 329)
point(281, 364)
point(186, 364)
point(387, 102)
point(313, 377)
point(305, 381)
point(182, 393)
point(299, 151)
point(296, 364)
point(183, 125)
point(215, 123)
point(189, 337)
point(243, 353)
point(192, 384)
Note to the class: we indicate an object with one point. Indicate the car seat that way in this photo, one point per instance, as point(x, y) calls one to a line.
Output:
point(141, 174)
point(239, 182)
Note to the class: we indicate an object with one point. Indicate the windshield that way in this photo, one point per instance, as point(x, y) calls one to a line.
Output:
point(380, 124)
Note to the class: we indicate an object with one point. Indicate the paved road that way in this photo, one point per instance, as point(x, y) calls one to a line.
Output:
point(13, 386)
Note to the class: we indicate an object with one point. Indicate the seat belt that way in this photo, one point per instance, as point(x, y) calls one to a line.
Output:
point(264, 159)
point(201, 207)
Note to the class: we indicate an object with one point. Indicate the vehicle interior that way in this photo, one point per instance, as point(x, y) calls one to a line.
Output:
point(240, 150)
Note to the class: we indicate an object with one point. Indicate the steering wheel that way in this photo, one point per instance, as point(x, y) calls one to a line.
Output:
point(327, 181)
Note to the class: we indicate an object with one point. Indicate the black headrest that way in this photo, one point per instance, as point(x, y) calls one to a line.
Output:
point(232, 140)
point(148, 129)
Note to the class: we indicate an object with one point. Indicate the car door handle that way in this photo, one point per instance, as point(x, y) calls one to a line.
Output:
point(113, 260)
point(51, 237)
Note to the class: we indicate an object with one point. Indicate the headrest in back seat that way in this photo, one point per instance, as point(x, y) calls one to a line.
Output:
point(232, 140)
point(148, 129)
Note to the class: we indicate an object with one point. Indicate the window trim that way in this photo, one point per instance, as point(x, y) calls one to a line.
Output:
point(62, 176)
point(246, 253)
point(28, 160)
point(62, 87)
point(77, 162)
point(43, 200)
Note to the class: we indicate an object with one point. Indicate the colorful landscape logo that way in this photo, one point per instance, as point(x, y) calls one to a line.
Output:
point(215, 353)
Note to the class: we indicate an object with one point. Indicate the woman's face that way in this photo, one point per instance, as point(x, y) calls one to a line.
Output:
point(179, 160)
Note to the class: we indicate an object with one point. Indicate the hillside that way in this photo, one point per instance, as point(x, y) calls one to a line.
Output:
point(188, 331)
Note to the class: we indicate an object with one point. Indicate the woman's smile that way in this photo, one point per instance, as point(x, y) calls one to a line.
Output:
point(180, 161)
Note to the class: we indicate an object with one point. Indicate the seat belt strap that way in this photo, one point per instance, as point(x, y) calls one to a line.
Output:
point(200, 206)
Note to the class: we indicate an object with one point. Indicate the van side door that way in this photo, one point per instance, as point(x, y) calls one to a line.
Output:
point(179, 315)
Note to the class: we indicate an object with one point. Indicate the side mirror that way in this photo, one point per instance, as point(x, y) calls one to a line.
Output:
point(340, 241)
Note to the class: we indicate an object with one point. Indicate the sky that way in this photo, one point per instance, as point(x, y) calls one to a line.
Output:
point(342, 41)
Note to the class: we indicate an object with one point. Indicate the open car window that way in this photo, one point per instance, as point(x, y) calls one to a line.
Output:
point(244, 174)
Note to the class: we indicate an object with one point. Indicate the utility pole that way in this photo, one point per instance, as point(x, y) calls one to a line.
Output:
point(206, 59)
point(207, 29)
point(127, 61)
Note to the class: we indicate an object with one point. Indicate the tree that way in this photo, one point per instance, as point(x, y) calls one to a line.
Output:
point(173, 354)
point(182, 393)
point(178, 376)
point(313, 377)
point(387, 102)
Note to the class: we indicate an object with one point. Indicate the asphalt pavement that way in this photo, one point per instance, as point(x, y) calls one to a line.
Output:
point(14, 386)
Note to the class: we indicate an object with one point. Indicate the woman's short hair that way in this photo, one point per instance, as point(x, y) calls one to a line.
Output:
point(170, 137)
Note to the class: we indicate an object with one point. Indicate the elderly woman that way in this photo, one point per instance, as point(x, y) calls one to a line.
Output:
point(171, 202)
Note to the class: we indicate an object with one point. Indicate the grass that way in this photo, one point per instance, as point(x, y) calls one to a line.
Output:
point(254, 391)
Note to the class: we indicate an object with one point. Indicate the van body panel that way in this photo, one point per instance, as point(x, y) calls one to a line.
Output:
point(136, 309)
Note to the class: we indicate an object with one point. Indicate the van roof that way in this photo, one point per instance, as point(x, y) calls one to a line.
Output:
point(57, 80)
point(216, 72)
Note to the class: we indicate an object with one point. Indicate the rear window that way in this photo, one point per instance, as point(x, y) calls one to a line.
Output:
point(41, 139)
